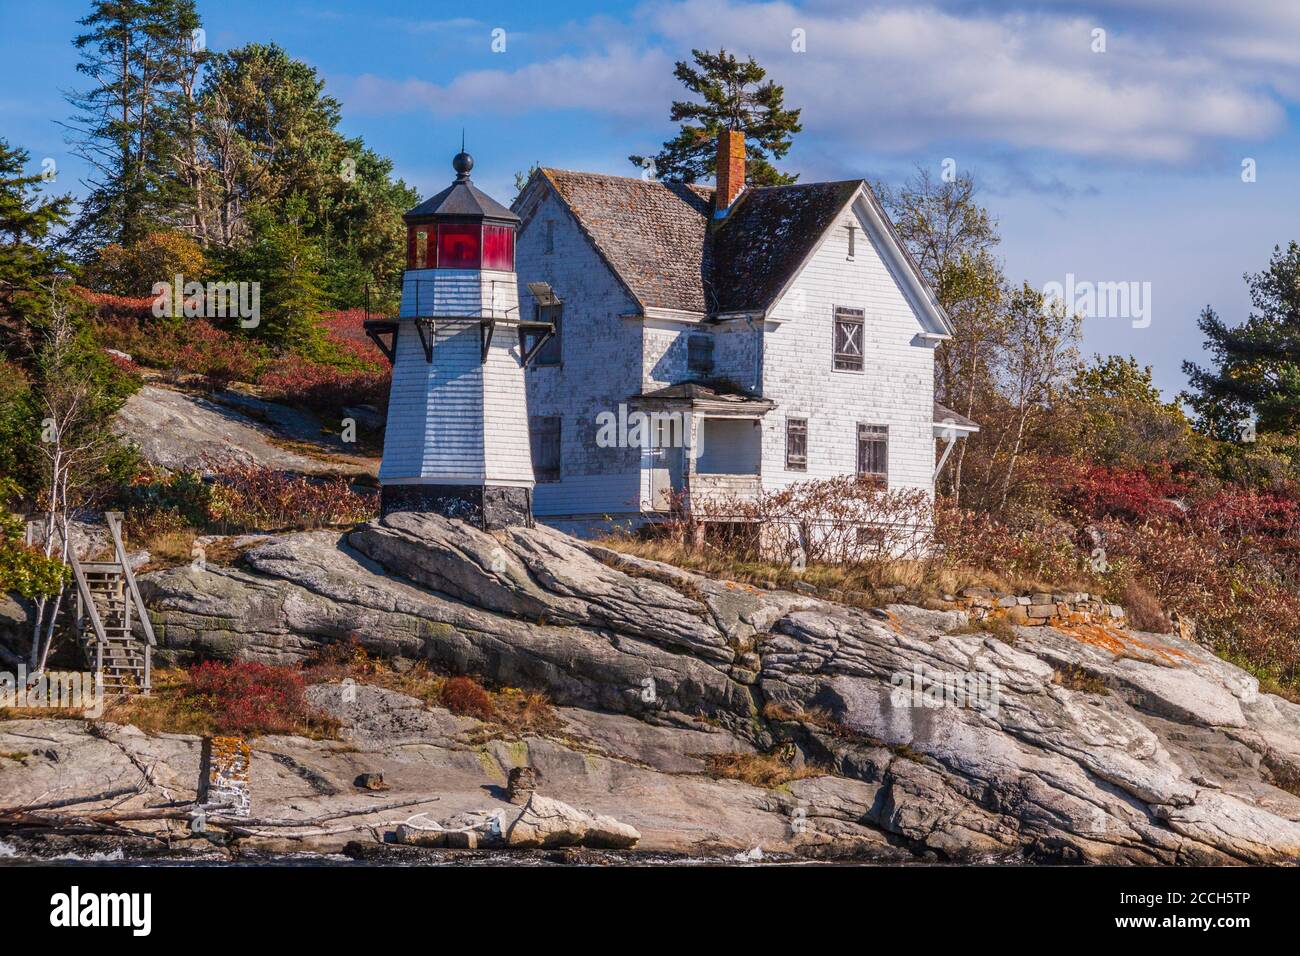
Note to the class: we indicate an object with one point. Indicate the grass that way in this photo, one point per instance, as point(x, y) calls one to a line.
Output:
point(508, 708)
point(19, 756)
point(758, 770)
point(176, 706)
point(868, 584)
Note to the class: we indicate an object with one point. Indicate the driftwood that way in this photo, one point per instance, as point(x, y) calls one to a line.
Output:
point(111, 821)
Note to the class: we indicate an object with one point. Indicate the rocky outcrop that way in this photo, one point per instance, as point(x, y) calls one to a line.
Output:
point(1079, 741)
point(184, 432)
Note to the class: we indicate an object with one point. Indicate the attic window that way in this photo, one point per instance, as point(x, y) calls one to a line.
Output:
point(850, 327)
point(852, 236)
point(699, 354)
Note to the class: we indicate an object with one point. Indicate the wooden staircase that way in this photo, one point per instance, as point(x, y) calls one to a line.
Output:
point(108, 603)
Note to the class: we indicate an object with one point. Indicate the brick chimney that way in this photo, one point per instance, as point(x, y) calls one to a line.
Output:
point(731, 170)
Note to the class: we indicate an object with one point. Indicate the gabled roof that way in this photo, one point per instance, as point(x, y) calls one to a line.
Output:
point(662, 243)
point(767, 237)
point(462, 198)
point(653, 235)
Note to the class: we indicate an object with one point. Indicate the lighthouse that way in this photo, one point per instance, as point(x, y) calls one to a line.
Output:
point(456, 441)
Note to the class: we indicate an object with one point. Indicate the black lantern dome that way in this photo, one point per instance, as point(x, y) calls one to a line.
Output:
point(461, 227)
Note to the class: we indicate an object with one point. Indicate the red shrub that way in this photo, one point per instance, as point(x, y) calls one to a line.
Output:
point(298, 381)
point(249, 698)
point(466, 697)
point(1093, 492)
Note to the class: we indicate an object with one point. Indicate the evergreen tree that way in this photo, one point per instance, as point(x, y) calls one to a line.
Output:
point(734, 97)
point(27, 223)
point(286, 262)
point(1256, 369)
point(126, 124)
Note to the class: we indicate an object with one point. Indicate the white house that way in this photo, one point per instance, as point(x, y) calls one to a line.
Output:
point(787, 325)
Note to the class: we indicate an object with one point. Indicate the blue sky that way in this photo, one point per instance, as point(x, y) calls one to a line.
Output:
point(1114, 165)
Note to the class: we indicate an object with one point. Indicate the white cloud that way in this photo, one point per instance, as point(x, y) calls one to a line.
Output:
point(1175, 83)
point(620, 82)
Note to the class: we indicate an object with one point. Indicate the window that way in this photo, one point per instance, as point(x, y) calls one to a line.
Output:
point(852, 234)
point(796, 444)
point(458, 246)
point(421, 249)
point(550, 353)
point(699, 354)
point(499, 247)
point(549, 246)
point(544, 438)
point(850, 327)
point(873, 453)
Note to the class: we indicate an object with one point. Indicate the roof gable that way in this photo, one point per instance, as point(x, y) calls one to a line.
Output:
point(768, 236)
point(660, 241)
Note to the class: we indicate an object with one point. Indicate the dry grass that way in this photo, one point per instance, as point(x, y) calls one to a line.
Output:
point(866, 584)
point(1075, 678)
point(168, 549)
point(759, 770)
point(998, 627)
point(174, 707)
point(1144, 610)
point(509, 708)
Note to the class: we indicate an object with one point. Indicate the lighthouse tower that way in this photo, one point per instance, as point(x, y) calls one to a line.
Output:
point(456, 442)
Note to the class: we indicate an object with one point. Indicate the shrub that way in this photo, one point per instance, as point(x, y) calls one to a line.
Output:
point(1143, 609)
point(466, 697)
point(248, 698)
point(255, 498)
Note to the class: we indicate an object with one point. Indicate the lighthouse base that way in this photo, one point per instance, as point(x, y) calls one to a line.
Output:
point(489, 507)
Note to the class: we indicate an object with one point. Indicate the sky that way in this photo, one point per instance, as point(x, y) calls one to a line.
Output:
point(1144, 142)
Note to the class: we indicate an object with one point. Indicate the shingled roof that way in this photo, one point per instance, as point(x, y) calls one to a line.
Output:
point(656, 237)
point(767, 237)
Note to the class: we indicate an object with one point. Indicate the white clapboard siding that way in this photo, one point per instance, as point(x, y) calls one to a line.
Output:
point(457, 419)
point(600, 366)
point(895, 388)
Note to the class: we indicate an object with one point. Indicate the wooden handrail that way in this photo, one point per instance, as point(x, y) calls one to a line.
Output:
point(114, 519)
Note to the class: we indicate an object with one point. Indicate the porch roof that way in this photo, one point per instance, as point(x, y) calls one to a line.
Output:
point(707, 396)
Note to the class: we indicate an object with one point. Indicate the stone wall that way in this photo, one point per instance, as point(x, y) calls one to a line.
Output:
point(1040, 608)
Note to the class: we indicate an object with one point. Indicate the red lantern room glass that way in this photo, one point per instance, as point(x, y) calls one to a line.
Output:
point(461, 228)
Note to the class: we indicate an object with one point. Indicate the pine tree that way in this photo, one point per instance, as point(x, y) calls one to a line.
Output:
point(27, 223)
point(126, 124)
point(286, 262)
point(1256, 369)
point(734, 97)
